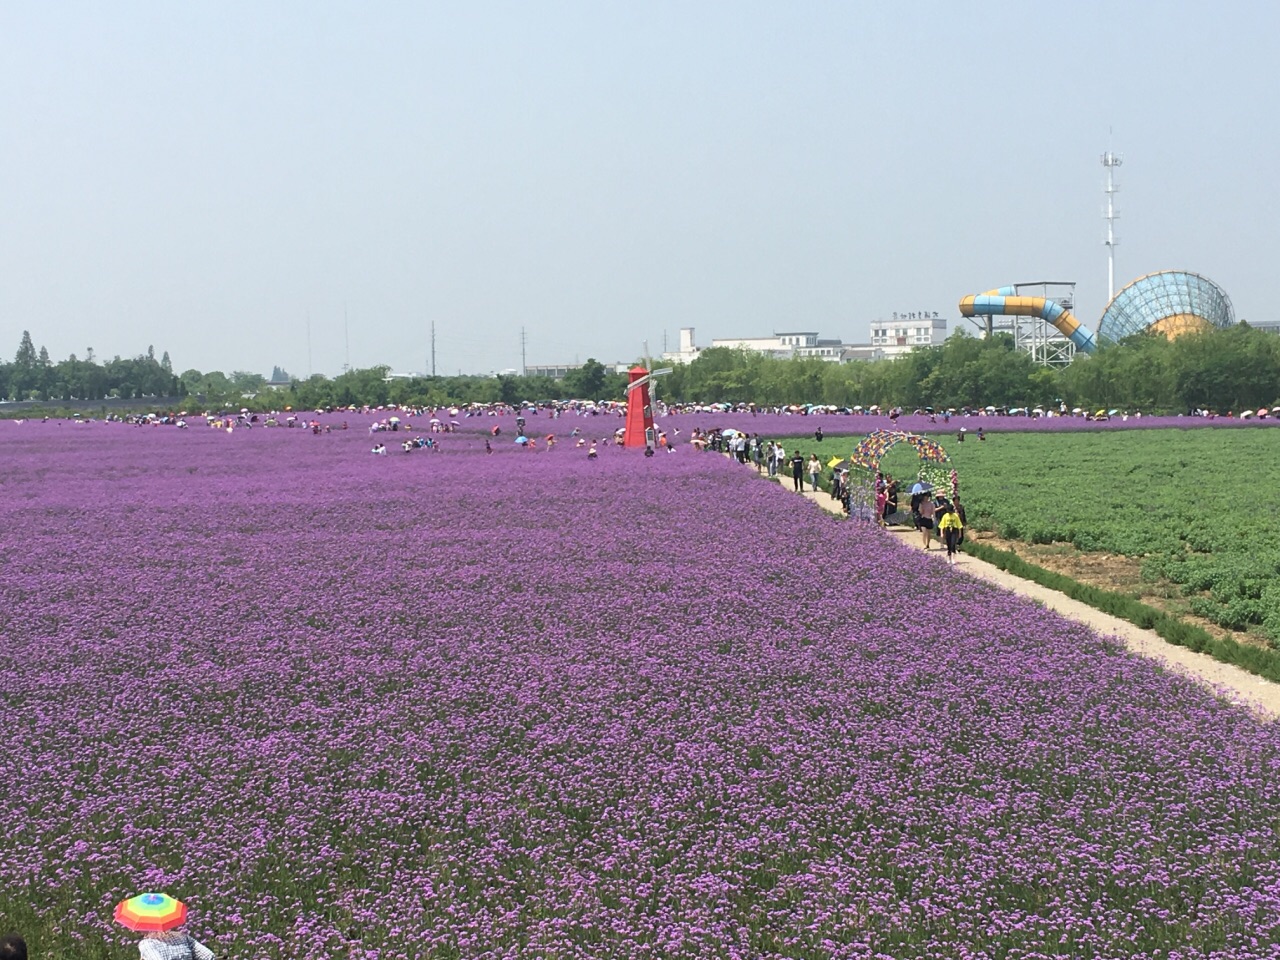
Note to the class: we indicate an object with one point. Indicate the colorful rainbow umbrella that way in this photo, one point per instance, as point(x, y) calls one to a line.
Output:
point(151, 911)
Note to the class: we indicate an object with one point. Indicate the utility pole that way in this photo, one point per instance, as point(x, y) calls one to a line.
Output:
point(524, 365)
point(346, 336)
point(664, 341)
point(433, 348)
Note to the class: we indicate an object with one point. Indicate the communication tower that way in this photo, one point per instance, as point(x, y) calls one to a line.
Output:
point(1110, 161)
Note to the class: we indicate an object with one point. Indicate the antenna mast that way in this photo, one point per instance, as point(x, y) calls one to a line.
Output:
point(1110, 161)
point(433, 348)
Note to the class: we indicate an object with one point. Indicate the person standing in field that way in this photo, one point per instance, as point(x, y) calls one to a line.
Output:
point(952, 528)
point(797, 471)
point(173, 945)
point(815, 470)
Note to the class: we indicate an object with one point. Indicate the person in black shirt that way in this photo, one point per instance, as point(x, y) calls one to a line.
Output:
point(797, 471)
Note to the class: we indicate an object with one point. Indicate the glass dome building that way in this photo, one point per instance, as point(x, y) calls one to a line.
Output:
point(1171, 302)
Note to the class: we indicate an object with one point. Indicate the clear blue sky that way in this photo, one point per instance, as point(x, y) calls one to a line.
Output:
point(204, 176)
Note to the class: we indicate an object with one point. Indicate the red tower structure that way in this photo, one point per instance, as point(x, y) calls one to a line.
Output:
point(639, 430)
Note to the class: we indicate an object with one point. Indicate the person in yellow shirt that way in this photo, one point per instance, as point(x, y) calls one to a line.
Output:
point(950, 526)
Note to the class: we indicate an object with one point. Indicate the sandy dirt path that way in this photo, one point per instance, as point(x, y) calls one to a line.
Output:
point(1236, 685)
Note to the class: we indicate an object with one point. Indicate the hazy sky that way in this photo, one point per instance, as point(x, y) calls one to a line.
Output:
point(205, 176)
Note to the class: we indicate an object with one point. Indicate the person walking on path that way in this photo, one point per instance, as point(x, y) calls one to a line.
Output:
point(951, 527)
point(924, 519)
point(890, 497)
point(797, 471)
point(815, 470)
point(958, 507)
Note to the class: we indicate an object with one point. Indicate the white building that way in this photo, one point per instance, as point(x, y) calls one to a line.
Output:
point(556, 371)
point(781, 346)
point(856, 352)
point(688, 351)
point(903, 334)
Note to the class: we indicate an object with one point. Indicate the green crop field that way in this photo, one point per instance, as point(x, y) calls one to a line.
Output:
point(1198, 508)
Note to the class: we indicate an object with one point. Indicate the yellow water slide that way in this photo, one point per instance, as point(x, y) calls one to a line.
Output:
point(1005, 302)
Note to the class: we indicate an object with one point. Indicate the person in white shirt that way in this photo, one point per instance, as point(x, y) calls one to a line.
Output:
point(173, 945)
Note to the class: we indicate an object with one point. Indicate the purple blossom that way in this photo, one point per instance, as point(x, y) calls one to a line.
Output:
point(529, 705)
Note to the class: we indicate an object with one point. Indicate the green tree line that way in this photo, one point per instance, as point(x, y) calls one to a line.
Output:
point(591, 381)
point(33, 376)
point(1235, 368)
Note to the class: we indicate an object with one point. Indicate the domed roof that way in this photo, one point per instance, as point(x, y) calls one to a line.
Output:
point(1172, 302)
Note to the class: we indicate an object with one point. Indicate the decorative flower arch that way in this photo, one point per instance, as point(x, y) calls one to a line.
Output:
point(935, 466)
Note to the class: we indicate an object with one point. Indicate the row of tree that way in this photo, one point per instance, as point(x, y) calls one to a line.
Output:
point(1235, 368)
point(592, 381)
point(1231, 369)
point(33, 376)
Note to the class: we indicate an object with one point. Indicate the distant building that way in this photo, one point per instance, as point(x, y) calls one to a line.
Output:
point(781, 346)
point(688, 351)
point(1267, 326)
point(860, 353)
point(898, 336)
point(556, 371)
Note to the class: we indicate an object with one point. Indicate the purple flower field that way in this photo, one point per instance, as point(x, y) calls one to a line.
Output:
point(834, 425)
point(527, 705)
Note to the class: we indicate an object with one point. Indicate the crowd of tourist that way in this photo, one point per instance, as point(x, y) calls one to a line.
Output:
point(936, 516)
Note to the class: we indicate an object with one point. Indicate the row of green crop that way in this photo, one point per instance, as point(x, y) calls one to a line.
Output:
point(1195, 508)
point(1256, 660)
